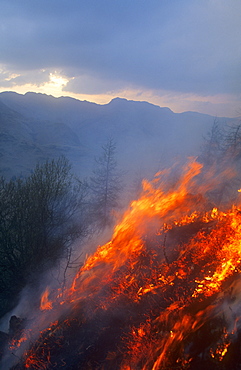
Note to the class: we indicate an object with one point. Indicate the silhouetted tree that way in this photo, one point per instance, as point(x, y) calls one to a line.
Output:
point(232, 142)
point(211, 150)
point(38, 222)
point(105, 185)
point(221, 156)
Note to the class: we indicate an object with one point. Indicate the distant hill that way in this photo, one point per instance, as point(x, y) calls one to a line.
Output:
point(34, 127)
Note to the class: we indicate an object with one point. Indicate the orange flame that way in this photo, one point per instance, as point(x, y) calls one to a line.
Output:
point(154, 204)
point(45, 303)
point(206, 257)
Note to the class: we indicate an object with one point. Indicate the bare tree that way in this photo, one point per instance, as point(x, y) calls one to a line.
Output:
point(232, 141)
point(211, 150)
point(221, 156)
point(39, 219)
point(105, 185)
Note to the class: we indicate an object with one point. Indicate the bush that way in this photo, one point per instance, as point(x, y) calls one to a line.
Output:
point(40, 216)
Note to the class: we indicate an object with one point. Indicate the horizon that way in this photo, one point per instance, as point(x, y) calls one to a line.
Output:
point(113, 98)
point(184, 56)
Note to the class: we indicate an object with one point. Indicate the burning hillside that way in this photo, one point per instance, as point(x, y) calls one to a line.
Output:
point(164, 293)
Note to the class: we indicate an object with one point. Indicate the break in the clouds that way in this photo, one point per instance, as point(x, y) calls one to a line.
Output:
point(156, 47)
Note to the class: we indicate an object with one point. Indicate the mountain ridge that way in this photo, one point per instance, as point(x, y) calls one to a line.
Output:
point(146, 135)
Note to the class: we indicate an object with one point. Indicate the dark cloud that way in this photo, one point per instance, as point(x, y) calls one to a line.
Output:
point(188, 46)
point(36, 78)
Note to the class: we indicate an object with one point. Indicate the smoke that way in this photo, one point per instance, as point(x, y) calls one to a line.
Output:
point(28, 311)
point(228, 306)
point(33, 321)
point(157, 262)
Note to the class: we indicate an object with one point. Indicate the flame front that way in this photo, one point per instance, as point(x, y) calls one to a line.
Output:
point(153, 297)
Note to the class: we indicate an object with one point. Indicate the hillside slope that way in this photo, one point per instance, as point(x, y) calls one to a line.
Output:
point(37, 126)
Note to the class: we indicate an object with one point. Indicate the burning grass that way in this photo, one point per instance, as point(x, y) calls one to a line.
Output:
point(164, 293)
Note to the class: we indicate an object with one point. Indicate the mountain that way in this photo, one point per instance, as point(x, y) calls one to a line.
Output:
point(37, 126)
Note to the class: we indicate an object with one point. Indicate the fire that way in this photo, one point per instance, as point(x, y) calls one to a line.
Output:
point(45, 303)
point(127, 240)
point(15, 343)
point(152, 297)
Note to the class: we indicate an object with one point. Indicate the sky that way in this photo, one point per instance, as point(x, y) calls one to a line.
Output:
point(181, 54)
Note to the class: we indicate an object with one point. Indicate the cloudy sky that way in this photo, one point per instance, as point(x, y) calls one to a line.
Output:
point(184, 54)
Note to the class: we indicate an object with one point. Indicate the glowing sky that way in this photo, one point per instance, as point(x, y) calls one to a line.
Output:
point(184, 54)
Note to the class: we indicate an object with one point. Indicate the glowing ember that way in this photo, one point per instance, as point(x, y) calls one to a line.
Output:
point(155, 296)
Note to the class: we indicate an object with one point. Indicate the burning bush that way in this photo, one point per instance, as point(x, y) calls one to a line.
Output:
point(162, 294)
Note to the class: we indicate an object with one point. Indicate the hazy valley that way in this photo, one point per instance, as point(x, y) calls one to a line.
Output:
point(35, 127)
